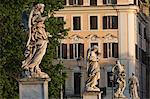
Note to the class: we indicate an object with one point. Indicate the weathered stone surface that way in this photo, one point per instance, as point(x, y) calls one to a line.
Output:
point(92, 95)
point(33, 88)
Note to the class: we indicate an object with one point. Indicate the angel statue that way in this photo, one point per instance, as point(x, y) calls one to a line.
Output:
point(133, 87)
point(37, 43)
point(93, 69)
point(119, 71)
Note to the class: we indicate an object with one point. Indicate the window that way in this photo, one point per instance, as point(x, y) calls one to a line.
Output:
point(109, 1)
point(144, 33)
point(109, 82)
point(75, 2)
point(110, 22)
point(94, 44)
point(139, 27)
point(62, 51)
point(71, 51)
point(77, 83)
point(93, 2)
point(76, 50)
point(136, 51)
point(93, 22)
point(110, 50)
point(64, 2)
point(76, 23)
point(61, 20)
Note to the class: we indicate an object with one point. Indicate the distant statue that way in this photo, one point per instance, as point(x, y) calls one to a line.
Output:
point(119, 71)
point(93, 69)
point(37, 43)
point(133, 87)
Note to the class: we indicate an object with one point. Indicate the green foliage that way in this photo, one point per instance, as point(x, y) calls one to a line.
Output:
point(13, 40)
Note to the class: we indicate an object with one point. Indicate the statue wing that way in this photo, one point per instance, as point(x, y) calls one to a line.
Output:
point(29, 25)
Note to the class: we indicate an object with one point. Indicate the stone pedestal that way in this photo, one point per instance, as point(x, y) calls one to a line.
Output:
point(33, 88)
point(92, 95)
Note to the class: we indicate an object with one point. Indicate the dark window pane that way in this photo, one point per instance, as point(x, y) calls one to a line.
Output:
point(70, 2)
point(71, 51)
point(109, 82)
point(64, 3)
point(136, 51)
point(93, 2)
point(135, 2)
point(115, 50)
point(139, 24)
point(105, 50)
point(104, 1)
point(58, 52)
point(75, 50)
point(76, 23)
point(64, 51)
point(93, 22)
point(94, 44)
point(61, 21)
point(104, 22)
point(77, 83)
point(80, 2)
point(114, 22)
point(81, 50)
point(114, 1)
point(109, 50)
point(145, 33)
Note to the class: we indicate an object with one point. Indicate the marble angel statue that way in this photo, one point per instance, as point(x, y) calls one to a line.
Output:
point(93, 69)
point(37, 43)
point(119, 72)
point(133, 87)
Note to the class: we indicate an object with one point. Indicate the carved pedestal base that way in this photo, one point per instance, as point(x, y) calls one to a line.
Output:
point(92, 95)
point(121, 98)
point(33, 88)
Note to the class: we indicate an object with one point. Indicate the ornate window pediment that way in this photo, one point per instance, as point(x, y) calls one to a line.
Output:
point(76, 37)
point(110, 38)
point(93, 37)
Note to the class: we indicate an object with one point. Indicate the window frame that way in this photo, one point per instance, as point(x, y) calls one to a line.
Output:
point(108, 50)
point(108, 22)
point(92, 21)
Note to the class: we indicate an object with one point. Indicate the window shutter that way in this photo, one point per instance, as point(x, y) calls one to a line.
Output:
point(70, 2)
point(115, 22)
point(64, 2)
point(104, 1)
point(105, 50)
point(58, 52)
point(80, 2)
point(64, 51)
point(104, 22)
point(81, 50)
point(71, 51)
point(93, 2)
point(114, 1)
point(93, 22)
point(76, 23)
point(115, 50)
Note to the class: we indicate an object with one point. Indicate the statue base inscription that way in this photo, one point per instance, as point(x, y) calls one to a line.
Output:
point(33, 88)
point(92, 95)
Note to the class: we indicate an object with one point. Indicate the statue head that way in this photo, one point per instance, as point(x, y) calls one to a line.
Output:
point(95, 48)
point(133, 74)
point(40, 7)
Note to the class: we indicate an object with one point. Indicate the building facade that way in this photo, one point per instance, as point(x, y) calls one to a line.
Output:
point(120, 29)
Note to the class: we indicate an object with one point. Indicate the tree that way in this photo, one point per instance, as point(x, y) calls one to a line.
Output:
point(13, 39)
